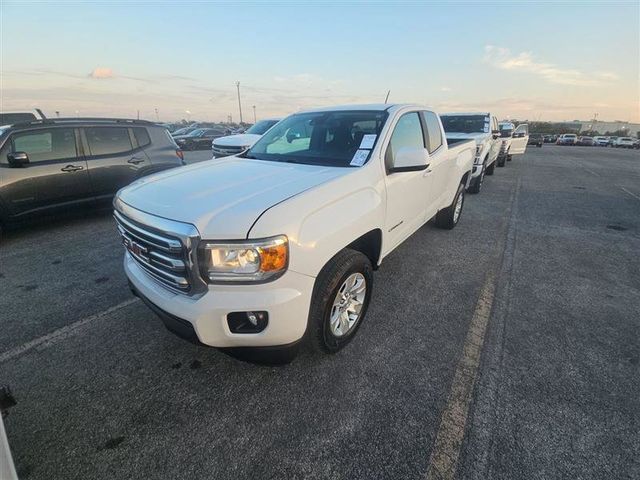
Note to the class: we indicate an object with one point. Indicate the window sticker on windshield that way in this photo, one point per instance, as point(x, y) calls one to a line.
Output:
point(486, 126)
point(368, 141)
point(360, 157)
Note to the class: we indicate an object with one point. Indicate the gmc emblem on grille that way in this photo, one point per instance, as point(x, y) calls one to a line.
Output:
point(134, 247)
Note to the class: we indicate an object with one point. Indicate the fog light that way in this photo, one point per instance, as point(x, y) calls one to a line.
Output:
point(247, 322)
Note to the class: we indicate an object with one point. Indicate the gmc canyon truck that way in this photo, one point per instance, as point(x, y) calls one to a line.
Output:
point(280, 242)
point(483, 129)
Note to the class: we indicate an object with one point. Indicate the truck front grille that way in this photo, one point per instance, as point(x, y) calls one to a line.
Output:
point(162, 256)
point(224, 151)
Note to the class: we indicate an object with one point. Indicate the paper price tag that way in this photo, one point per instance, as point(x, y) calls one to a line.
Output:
point(368, 141)
point(359, 158)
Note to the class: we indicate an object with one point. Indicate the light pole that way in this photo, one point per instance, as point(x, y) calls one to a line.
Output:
point(254, 114)
point(239, 104)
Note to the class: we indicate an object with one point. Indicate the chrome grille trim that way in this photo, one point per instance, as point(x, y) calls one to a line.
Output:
point(165, 249)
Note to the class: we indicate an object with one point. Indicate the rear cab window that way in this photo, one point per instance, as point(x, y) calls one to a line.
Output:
point(433, 133)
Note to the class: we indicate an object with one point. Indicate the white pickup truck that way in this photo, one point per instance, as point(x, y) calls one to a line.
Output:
point(513, 141)
point(483, 129)
point(279, 243)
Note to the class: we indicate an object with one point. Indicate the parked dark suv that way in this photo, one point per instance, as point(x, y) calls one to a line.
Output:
point(53, 164)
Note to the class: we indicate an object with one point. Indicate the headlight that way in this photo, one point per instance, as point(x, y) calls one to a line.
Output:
point(244, 261)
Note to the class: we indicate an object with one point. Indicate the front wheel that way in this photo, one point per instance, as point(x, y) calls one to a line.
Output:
point(508, 158)
point(491, 168)
point(340, 299)
point(447, 218)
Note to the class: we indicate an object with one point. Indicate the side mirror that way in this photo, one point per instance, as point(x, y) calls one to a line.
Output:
point(410, 159)
point(495, 133)
point(18, 159)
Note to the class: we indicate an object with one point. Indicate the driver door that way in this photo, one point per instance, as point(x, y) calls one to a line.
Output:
point(408, 193)
point(519, 140)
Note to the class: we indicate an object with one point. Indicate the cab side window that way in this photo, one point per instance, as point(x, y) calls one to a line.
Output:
point(46, 144)
point(108, 140)
point(407, 133)
point(434, 132)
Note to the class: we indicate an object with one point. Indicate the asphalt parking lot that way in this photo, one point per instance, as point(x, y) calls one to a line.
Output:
point(547, 254)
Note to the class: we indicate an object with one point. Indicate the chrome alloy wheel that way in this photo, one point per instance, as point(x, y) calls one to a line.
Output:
point(347, 304)
point(458, 207)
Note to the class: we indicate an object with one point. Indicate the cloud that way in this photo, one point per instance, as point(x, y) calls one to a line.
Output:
point(445, 89)
point(503, 59)
point(102, 72)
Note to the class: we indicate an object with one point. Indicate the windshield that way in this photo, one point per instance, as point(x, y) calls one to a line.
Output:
point(321, 138)
point(196, 133)
point(465, 123)
point(261, 127)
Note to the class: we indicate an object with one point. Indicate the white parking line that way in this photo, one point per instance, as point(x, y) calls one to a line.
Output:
point(61, 333)
point(448, 445)
point(444, 458)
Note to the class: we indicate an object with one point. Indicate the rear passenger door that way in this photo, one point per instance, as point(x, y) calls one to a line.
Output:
point(439, 169)
point(56, 175)
point(113, 157)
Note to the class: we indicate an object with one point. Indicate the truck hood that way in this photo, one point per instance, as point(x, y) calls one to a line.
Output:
point(479, 137)
point(223, 198)
point(241, 140)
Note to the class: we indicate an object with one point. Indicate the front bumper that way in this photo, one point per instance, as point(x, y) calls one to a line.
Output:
point(286, 300)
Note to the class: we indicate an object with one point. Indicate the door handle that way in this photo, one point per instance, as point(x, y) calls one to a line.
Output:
point(71, 168)
point(135, 160)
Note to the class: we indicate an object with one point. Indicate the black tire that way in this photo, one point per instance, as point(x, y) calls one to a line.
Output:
point(446, 217)
point(509, 158)
point(501, 161)
point(476, 186)
point(491, 169)
point(327, 286)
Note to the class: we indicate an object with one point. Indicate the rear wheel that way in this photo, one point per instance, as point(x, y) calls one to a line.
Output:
point(448, 218)
point(340, 300)
point(508, 158)
point(501, 161)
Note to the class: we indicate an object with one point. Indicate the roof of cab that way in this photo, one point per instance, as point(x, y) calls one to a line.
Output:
point(380, 107)
point(452, 114)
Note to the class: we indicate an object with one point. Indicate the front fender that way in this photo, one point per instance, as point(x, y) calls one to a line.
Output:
point(320, 223)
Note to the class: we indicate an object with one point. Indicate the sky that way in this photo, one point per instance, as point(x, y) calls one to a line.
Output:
point(167, 60)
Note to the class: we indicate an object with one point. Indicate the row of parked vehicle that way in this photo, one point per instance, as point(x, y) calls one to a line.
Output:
point(597, 141)
point(277, 241)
